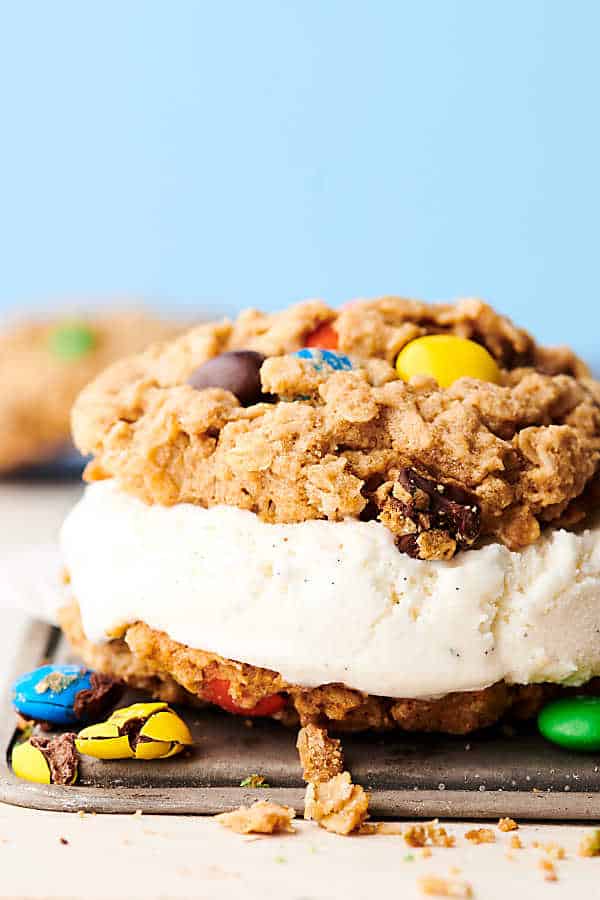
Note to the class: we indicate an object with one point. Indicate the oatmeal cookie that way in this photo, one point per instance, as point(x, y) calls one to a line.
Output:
point(45, 364)
point(442, 468)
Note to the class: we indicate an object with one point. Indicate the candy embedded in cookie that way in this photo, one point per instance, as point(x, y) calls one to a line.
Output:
point(431, 520)
point(324, 337)
point(325, 359)
point(217, 691)
point(237, 371)
point(71, 341)
point(447, 357)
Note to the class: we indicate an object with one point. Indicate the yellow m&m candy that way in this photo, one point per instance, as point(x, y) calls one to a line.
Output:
point(446, 358)
point(141, 731)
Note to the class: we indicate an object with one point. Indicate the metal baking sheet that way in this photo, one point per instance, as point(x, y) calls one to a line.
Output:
point(66, 466)
point(486, 775)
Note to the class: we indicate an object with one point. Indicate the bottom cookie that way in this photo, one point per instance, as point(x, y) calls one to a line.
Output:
point(148, 659)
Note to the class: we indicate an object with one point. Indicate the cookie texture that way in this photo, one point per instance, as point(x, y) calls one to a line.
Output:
point(321, 757)
point(174, 672)
point(506, 459)
point(45, 364)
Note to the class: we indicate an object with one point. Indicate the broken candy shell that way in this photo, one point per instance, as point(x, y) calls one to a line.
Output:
point(140, 731)
point(49, 693)
point(104, 741)
point(57, 765)
point(166, 726)
point(30, 764)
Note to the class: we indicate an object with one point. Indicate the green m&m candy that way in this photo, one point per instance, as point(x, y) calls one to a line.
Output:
point(573, 723)
point(71, 341)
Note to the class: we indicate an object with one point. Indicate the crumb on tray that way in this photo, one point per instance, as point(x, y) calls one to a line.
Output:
point(436, 886)
point(262, 817)
point(337, 805)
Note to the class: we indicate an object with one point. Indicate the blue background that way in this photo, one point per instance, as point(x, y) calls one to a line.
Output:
point(239, 153)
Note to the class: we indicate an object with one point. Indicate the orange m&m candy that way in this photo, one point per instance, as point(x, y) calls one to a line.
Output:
point(324, 337)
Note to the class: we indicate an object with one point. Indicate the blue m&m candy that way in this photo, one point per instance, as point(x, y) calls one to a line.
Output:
point(325, 359)
point(63, 695)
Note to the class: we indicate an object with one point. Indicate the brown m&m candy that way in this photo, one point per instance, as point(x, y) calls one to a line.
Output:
point(237, 371)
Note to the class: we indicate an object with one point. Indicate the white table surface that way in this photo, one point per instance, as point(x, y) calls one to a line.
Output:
point(194, 857)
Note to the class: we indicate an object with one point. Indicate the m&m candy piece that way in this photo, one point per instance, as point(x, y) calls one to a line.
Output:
point(324, 359)
point(140, 731)
point(217, 691)
point(325, 337)
point(64, 694)
point(46, 760)
point(573, 722)
point(446, 357)
point(71, 341)
point(237, 371)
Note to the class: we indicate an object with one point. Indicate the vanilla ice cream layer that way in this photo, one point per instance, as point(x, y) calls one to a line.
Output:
point(325, 602)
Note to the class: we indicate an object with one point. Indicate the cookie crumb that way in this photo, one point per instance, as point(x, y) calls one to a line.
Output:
point(263, 817)
point(590, 843)
point(507, 824)
point(554, 851)
point(438, 835)
point(516, 843)
point(435, 886)
point(63, 841)
point(415, 836)
point(320, 755)
point(547, 867)
point(381, 828)
point(429, 833)
point(337, 805)
point(481, 836)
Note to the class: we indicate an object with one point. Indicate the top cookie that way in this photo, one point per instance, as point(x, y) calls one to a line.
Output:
point(442, 467)
point(45, 364)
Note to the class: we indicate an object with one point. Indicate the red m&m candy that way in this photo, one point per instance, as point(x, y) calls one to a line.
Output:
point(217, 692)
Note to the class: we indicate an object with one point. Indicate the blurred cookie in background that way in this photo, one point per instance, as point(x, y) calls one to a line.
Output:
point(44, 364)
